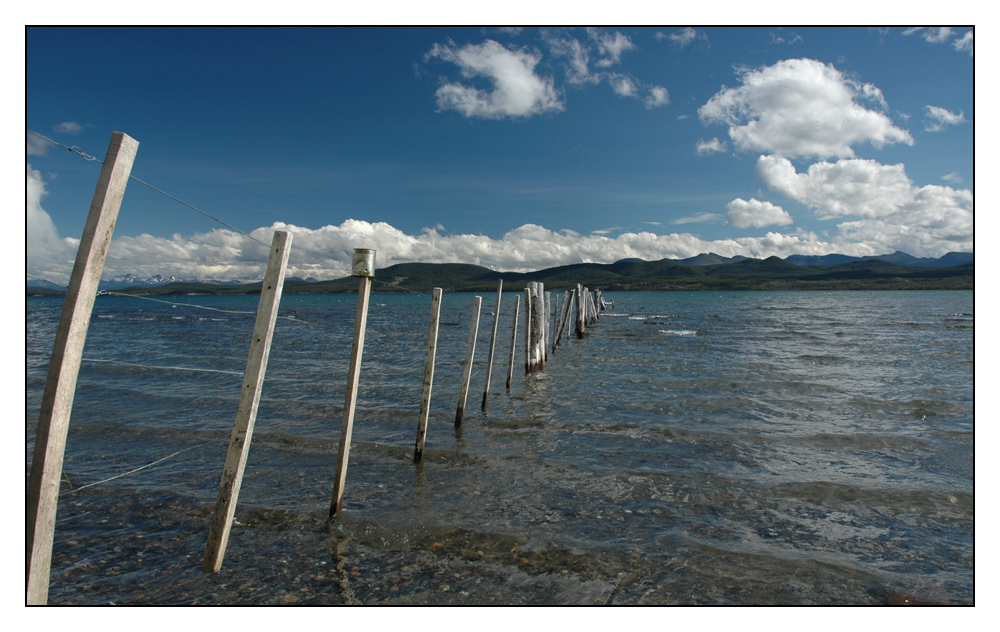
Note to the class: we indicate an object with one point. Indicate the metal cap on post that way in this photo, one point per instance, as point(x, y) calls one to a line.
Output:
point(364, 262)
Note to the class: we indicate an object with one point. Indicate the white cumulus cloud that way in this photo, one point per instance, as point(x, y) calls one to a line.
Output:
point(932, 34)
point(48, 256)
point(607, 49)
point(658, 96)
point(965, 43)
point(326, 252)
point(610, 46)
point(753, 213)
point(939, 118)
point(801, 108)
point(893, 213)
point(516, 90)
point(578, 55)
point(684, 36)
point(941, 34)
point(713, 146)
point(623, 85)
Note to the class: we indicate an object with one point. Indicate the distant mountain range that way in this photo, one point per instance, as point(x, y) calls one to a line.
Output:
point(955, 270)
point(950, 259)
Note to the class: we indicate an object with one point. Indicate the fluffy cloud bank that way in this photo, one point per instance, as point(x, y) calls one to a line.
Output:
point(801, 108)
point(923, 221)
point(48, 255)
point(326, 252)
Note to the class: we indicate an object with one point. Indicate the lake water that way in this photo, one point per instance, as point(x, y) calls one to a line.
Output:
point(692, 448)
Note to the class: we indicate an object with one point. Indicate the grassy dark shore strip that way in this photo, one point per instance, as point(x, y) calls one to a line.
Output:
point(665, 275)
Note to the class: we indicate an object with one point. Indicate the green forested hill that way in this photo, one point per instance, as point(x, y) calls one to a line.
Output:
point(747, 274)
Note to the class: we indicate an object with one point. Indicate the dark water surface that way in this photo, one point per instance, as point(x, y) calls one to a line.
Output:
point(693, 448)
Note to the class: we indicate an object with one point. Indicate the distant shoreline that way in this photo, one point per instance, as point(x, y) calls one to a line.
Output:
point(772, 274)
point(885, 285)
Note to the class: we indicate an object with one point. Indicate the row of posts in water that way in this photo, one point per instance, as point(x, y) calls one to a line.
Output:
point(57, 399)
point(537, 336)
point(540, 333)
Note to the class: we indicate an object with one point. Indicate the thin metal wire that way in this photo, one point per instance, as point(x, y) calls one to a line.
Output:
point(156, 300)
point(214, 309)
point(247, 235)
point(46, 280)
point(165, 368)
point(73, 491)
point(87, 156)
point(73, 149)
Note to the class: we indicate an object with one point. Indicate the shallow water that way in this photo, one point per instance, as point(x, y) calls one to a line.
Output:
point(692, 448)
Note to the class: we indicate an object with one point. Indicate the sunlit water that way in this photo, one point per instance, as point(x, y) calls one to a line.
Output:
point(692, 448)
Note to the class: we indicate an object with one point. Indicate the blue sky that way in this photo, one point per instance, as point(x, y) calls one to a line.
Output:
point(513, 149)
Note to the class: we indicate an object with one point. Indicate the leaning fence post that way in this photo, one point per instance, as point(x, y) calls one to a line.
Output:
point(64, 365)
point(513, 340)
point(580, 305)
point(567, 297)
point(425, 396)
point(470, 352)
point(246, 411)
point(363, 267)
point(546, 325)
point(527, 326)
point(493, 345)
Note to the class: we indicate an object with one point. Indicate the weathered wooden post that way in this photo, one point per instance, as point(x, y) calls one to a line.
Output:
point(581, 325)
point(470, 352)
point(363, 267)
point(563, 317)
point(425, 397)
point(527, 327)
point(534, 328)
point(64, 365)
point(513, 340)
point(555, 319)
point(493, 344)
point(548, 329)
point(246, 411)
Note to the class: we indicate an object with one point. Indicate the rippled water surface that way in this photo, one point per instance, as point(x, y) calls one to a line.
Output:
point(692, 448)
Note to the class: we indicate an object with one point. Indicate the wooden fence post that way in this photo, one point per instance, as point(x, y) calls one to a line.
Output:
point(563, 317)
point(246, 411)
point(363, 267)
point(548, 326)
point(581, 323)
point(513, 340)
point(534, 327)
point(64, 365)
point(425, 397)
point(470, 352)
point(493, 344)
point(527, 327)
